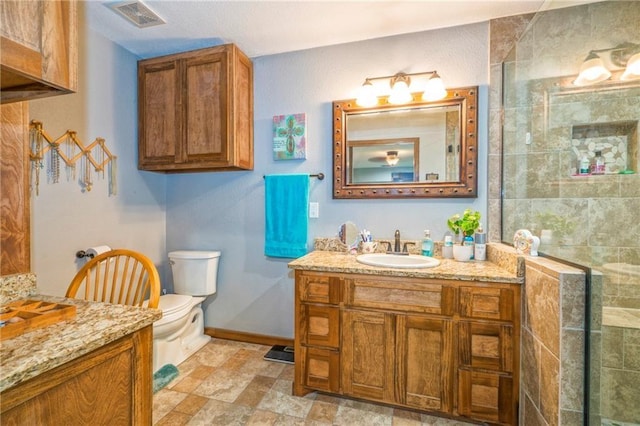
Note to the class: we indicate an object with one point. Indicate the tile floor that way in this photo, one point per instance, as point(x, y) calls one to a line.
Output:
point(229, 383)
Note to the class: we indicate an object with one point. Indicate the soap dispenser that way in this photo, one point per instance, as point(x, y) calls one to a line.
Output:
point(427, 244)
point(447, 248)
point(480, 247)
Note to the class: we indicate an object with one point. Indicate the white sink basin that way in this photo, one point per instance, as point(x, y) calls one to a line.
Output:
point(397, 261)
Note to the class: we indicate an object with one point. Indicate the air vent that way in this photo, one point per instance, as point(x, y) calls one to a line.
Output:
point(137, 13)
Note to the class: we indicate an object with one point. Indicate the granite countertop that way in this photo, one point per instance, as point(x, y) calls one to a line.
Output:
point(340, 262)
point(95, 325)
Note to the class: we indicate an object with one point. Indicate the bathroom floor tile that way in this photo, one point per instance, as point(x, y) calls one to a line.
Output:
point(229, 383)
point(191, 404)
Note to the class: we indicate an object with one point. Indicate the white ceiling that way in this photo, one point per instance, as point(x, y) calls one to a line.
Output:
point(265, 27)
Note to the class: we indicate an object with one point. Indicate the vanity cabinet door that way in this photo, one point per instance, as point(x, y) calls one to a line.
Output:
point(368, 355)
point(425, 362)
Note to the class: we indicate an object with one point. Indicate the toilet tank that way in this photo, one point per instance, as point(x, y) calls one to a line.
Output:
point(195, 273)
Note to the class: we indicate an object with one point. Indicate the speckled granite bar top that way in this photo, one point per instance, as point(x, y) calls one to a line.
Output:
point(331, 261)
point(95, 325)
point(16, 287)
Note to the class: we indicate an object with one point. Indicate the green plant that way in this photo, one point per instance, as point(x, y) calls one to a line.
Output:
point(465, 224)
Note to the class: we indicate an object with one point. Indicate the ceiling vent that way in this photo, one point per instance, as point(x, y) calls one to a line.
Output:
point(137, 13)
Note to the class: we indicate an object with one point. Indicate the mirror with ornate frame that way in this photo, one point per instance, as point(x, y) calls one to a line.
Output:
point(419, 149)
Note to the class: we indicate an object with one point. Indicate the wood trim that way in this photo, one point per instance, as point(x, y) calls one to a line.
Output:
point(21, 58)
point(142, 392)
point(15, 206)
point(241, 336)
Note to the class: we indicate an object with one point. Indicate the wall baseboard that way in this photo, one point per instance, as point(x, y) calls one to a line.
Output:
point(242, 336)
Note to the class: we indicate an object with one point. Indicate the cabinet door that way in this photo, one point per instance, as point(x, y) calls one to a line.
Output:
point(321, 369)
point(486, 345)
point(487, 396)
point(206, 125)
point(159, 100)
point(368, 355)
point(425, 362)
point(39, 49)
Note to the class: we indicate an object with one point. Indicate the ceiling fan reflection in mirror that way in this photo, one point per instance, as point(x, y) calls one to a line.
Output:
point(391, 159)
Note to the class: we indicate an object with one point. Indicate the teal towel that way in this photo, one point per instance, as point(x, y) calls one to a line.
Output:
point(286, 212)
point(162, 377)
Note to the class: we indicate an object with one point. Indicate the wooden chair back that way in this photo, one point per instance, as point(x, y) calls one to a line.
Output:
point(119, 276)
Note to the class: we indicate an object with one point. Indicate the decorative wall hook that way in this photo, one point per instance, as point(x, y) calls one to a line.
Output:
point(70, 150)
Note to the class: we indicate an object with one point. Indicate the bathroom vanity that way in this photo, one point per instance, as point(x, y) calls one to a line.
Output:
point(94, 368)
point(444, 340)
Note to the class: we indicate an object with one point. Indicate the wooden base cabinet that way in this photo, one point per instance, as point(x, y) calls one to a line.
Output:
point(195, 111)
point(442, 346)
point(109, 386)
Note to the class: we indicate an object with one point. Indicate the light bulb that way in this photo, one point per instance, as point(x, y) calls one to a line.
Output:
point(400, 93)
point(592, 71)
point(633, 68)
point(367, 96)
point(435, 89)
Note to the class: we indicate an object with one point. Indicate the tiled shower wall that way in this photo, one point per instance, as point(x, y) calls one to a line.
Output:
point(591, 218)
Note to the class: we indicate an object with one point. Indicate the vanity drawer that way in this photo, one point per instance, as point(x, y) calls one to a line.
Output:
point(487, 346)
point(487, 303)
point(320, 325)
point(319, 288)
point(401, 294)
point(321, 369)
point(487, 396)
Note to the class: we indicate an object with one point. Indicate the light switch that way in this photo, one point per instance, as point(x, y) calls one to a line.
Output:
point(314, 210)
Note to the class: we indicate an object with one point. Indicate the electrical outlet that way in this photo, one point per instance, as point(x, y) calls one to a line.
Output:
point(314, 210)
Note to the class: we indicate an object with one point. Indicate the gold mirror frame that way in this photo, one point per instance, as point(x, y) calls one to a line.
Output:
point(466, 187)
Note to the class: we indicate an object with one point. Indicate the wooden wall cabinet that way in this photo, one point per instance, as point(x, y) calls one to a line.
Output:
point(442, 346)
point(39, 49)
point(111, 385)
point(195, 111)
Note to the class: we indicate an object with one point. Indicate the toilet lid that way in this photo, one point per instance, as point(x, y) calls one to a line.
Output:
point(170, 303)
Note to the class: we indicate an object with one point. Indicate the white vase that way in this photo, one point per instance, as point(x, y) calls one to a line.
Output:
point(462, 253)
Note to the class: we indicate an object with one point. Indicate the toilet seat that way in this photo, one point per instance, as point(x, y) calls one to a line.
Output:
point(174, 306)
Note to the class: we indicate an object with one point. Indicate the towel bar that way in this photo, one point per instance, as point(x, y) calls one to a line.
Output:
point(320, 176)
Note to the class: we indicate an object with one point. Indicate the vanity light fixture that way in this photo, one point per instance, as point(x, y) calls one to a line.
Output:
point(400, 89)
point(593, 69)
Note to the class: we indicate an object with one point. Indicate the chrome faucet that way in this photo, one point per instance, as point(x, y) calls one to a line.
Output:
point(396, 247)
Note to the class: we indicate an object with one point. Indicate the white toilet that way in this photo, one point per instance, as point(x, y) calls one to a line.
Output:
point(180, 332)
